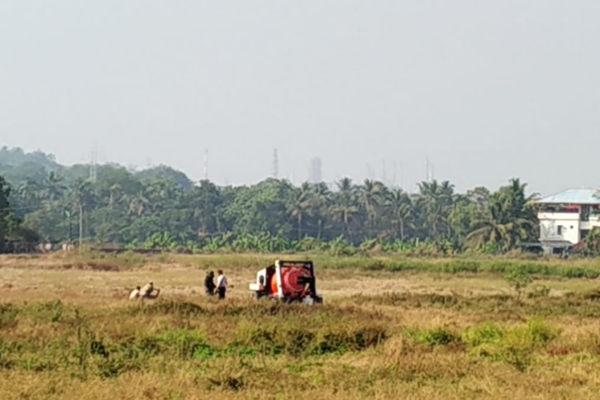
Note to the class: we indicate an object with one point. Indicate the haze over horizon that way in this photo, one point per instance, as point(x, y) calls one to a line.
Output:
point(488, 91)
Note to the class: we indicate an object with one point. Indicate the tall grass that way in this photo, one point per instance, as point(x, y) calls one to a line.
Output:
point(498, 265)
point(359, 347)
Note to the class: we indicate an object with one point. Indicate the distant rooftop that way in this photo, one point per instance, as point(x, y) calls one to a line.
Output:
point(573, 196)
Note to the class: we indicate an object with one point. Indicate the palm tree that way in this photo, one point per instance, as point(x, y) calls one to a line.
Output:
point(510, 217)
point(319, 202)
point(138, 203)
point(300, 205)
point(435, 202)
point(28, 192)
point(114, 193)
point(345, 186)
point(344, 207)
point(54, 187)
point(480, 196)
point(371, 197)
point(399, 207)
point(491, 227)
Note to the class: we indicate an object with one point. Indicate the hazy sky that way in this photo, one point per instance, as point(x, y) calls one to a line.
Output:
point(488, 89)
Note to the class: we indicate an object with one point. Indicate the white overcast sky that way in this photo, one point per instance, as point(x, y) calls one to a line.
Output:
point(489, 90)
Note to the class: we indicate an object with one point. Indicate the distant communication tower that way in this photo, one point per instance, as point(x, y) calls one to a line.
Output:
point(275, 164)
point(315, 171)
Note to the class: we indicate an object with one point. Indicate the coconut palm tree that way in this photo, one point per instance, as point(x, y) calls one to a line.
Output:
point(371, 196)
point(28, 194)
point(115, 190)
point(435, 202)
point(300, 205)
point(54, 187)
point(138, 203)
point(509, 218)
point(344, 207)
point(491, 227)
point(320, 200)
point(399, 207)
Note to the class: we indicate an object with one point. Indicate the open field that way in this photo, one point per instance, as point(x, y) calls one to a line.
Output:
point(389, 328)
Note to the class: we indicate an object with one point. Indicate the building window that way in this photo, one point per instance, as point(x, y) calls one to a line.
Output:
point(559, 230)
point(585, 213)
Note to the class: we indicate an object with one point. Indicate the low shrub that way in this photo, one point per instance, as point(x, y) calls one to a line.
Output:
point(438, 336)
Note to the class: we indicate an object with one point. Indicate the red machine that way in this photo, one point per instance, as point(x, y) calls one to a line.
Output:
point(289, 281)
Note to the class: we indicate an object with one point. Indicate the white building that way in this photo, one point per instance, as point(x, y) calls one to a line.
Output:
point(567, 217)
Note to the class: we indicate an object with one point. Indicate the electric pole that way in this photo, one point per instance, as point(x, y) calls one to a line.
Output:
point(80, 225)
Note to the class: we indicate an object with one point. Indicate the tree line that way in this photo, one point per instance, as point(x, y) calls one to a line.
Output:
point(161, 207)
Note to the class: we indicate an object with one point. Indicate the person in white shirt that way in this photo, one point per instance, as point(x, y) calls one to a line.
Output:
point(147, 292)
point(221, 285)
point(135, 294)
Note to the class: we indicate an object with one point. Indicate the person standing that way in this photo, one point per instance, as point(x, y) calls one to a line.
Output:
point(209, 283)
point(221, 285)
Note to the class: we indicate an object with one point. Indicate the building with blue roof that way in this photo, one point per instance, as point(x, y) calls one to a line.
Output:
point(567, 217)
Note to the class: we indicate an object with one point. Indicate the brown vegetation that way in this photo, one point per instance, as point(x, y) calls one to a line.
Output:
point(70, 333)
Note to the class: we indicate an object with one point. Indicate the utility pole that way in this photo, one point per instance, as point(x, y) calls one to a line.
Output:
point(80, 225)
point(427, 169)
point(68, 215)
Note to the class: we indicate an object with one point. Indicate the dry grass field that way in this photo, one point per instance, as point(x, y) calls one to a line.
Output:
point(388, 329)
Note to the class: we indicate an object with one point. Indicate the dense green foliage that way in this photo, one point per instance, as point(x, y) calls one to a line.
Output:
point(13, 235)
point(161, 207)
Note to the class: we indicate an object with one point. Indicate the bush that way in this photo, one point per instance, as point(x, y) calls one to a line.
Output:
point(436, 337)
point(302, 341)
point(482, 334)
point(8, 315)
point(518, 279)
point(514, 346)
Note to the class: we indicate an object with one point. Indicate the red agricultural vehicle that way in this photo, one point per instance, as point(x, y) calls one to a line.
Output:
point(289, 281)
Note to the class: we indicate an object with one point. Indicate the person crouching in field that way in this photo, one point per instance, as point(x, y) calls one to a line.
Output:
point(209, 283)
point(135, 294)
point(145, 293)
point(221, 285)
